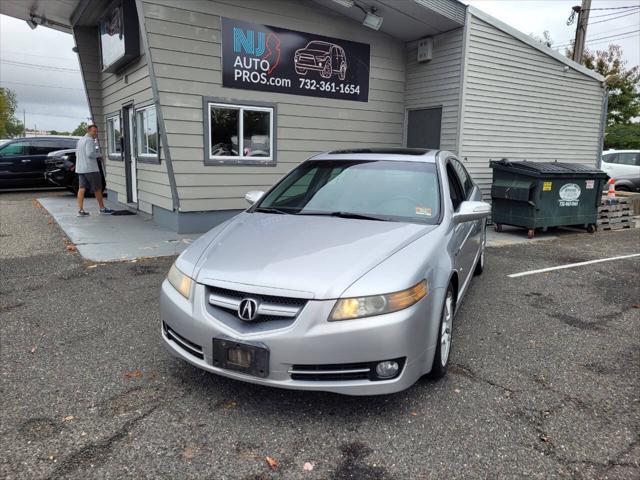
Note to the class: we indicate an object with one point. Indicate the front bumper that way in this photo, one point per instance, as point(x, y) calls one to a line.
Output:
point(310, 340)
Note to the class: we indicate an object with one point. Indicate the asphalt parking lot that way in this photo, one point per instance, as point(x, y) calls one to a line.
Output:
point(545, 380)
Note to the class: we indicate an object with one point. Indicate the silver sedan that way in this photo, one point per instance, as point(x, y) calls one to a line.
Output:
point(343, 277)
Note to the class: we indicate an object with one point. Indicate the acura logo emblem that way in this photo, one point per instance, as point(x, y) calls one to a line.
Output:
point(248, 309)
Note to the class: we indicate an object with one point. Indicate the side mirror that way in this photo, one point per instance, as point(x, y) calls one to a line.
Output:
point(253, 196)
point(470, 211)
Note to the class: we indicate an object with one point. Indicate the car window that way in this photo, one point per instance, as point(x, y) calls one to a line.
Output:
point(402, 191)
point(15, 148)
point(628, 158)
point(455, 188)
point(463, 176)
point(42, 147)
point(610, 158)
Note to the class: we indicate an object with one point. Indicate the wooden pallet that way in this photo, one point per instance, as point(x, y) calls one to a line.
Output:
point(605, 220)
point(619, 226)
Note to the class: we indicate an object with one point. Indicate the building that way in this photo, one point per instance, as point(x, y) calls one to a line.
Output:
point(200, 101)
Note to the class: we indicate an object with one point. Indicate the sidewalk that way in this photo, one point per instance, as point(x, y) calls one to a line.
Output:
point(104, 238)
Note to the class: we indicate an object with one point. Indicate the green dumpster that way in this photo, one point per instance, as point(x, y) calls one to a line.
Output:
point(545, 194)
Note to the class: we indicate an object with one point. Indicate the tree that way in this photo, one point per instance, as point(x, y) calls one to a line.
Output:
point(623, 136)
point(623, 83)
point(80, 130)
point(545, 39)
point(9, 125)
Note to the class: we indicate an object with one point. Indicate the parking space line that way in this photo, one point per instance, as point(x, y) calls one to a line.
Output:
point(572, 265)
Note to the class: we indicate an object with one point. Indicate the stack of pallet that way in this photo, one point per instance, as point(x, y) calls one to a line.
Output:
point(616, 216)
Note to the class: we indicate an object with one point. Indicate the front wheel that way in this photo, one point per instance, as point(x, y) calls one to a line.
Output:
point(441, 356)
point(327, 71)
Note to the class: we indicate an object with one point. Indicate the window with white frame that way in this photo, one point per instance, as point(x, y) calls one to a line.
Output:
point(114, 136)
point(146, 132)
point(240, 133)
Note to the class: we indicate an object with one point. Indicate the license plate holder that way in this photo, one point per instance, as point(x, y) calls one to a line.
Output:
point(249, 358)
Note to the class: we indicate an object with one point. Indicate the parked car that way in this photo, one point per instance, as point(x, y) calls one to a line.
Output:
point(327, 58)
point(22, 160)
point(624, 167)
point(60, 170)
point(345, 276)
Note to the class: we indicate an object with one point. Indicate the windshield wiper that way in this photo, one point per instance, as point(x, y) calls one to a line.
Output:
point(271, 210)
point(342, 214)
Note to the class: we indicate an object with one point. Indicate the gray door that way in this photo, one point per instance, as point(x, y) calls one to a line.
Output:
point(423, 128)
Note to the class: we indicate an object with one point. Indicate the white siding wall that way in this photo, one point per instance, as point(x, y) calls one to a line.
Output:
point(184, 41)
point(519, 103)
point(437, 83)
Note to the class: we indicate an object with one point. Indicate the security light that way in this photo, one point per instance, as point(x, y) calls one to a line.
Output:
point(372, 21)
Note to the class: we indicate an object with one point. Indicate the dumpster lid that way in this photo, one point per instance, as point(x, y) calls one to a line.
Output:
point(546, 168)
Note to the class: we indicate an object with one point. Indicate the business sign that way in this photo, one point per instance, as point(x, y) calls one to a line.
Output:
point(271, 59)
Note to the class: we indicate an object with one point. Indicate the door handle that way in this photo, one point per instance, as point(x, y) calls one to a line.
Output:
point(26, 160)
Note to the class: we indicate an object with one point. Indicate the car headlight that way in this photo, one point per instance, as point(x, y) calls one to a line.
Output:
point(180, 281)
point(350, 308)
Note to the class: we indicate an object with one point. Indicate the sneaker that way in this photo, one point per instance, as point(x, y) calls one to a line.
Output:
point(106, 211)
point(82, 213)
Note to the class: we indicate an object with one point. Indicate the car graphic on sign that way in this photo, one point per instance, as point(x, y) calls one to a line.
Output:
point(327, 58)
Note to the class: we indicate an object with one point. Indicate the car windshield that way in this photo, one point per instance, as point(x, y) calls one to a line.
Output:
point(319, 46)
point(379, 189)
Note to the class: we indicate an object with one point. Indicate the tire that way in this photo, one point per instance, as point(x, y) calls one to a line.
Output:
point(480, 263)
point(623, 188)
point(327, 71)
point(301, 71)
point(441, 356)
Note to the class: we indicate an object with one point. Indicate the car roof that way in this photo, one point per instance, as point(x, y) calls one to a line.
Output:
point(45, 137)
point(619, 151)
point(394, 154)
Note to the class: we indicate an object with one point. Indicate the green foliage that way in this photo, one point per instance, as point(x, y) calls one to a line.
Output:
point(622, 136)
point(80, 130)
point(9, 125)
point(623, 83)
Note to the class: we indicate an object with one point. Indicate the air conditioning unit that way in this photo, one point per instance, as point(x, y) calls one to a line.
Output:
point(425, 49)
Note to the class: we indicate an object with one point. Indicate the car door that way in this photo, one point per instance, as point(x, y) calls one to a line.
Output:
point(472, 193)
point(627, 166)
point(463, 251)
point(14, 161)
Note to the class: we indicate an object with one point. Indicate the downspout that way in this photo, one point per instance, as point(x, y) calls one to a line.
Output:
point(603, 124)
point(156, 96)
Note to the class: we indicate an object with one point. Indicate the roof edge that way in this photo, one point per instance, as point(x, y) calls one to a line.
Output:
point(500, 25)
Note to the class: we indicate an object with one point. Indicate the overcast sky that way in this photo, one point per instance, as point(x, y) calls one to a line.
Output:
point(41, 68)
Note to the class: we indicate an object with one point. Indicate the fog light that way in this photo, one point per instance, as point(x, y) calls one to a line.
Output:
point(387, 369)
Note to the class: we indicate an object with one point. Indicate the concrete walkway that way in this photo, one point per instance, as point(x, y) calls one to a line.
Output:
point(104, 238)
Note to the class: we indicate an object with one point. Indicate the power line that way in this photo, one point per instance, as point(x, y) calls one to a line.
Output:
point(611, 8)
point(611, 14)
point(567, 43)
point(14, 52)
point(40, 67)
point(54, 115)
point(39, 85)
point(615, 18)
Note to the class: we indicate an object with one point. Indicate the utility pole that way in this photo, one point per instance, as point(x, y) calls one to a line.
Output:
point(24, 123)
point(581, 30)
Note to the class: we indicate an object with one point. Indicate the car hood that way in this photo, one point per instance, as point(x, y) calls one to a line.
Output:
point(307, 256)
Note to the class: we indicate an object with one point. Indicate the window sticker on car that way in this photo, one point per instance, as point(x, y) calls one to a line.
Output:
point(546, 186)
point(590, 184)
point(423, 211)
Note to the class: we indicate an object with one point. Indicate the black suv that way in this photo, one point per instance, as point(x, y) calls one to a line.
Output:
point(22, 161)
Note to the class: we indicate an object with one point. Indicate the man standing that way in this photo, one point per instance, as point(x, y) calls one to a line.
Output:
point(88, 171)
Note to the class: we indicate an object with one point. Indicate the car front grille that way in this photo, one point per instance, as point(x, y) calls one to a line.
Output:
point(339, 371)
point(270, 307)
point(186, 345)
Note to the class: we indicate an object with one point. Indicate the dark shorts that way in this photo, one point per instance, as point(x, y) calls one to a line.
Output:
point(91, 181)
